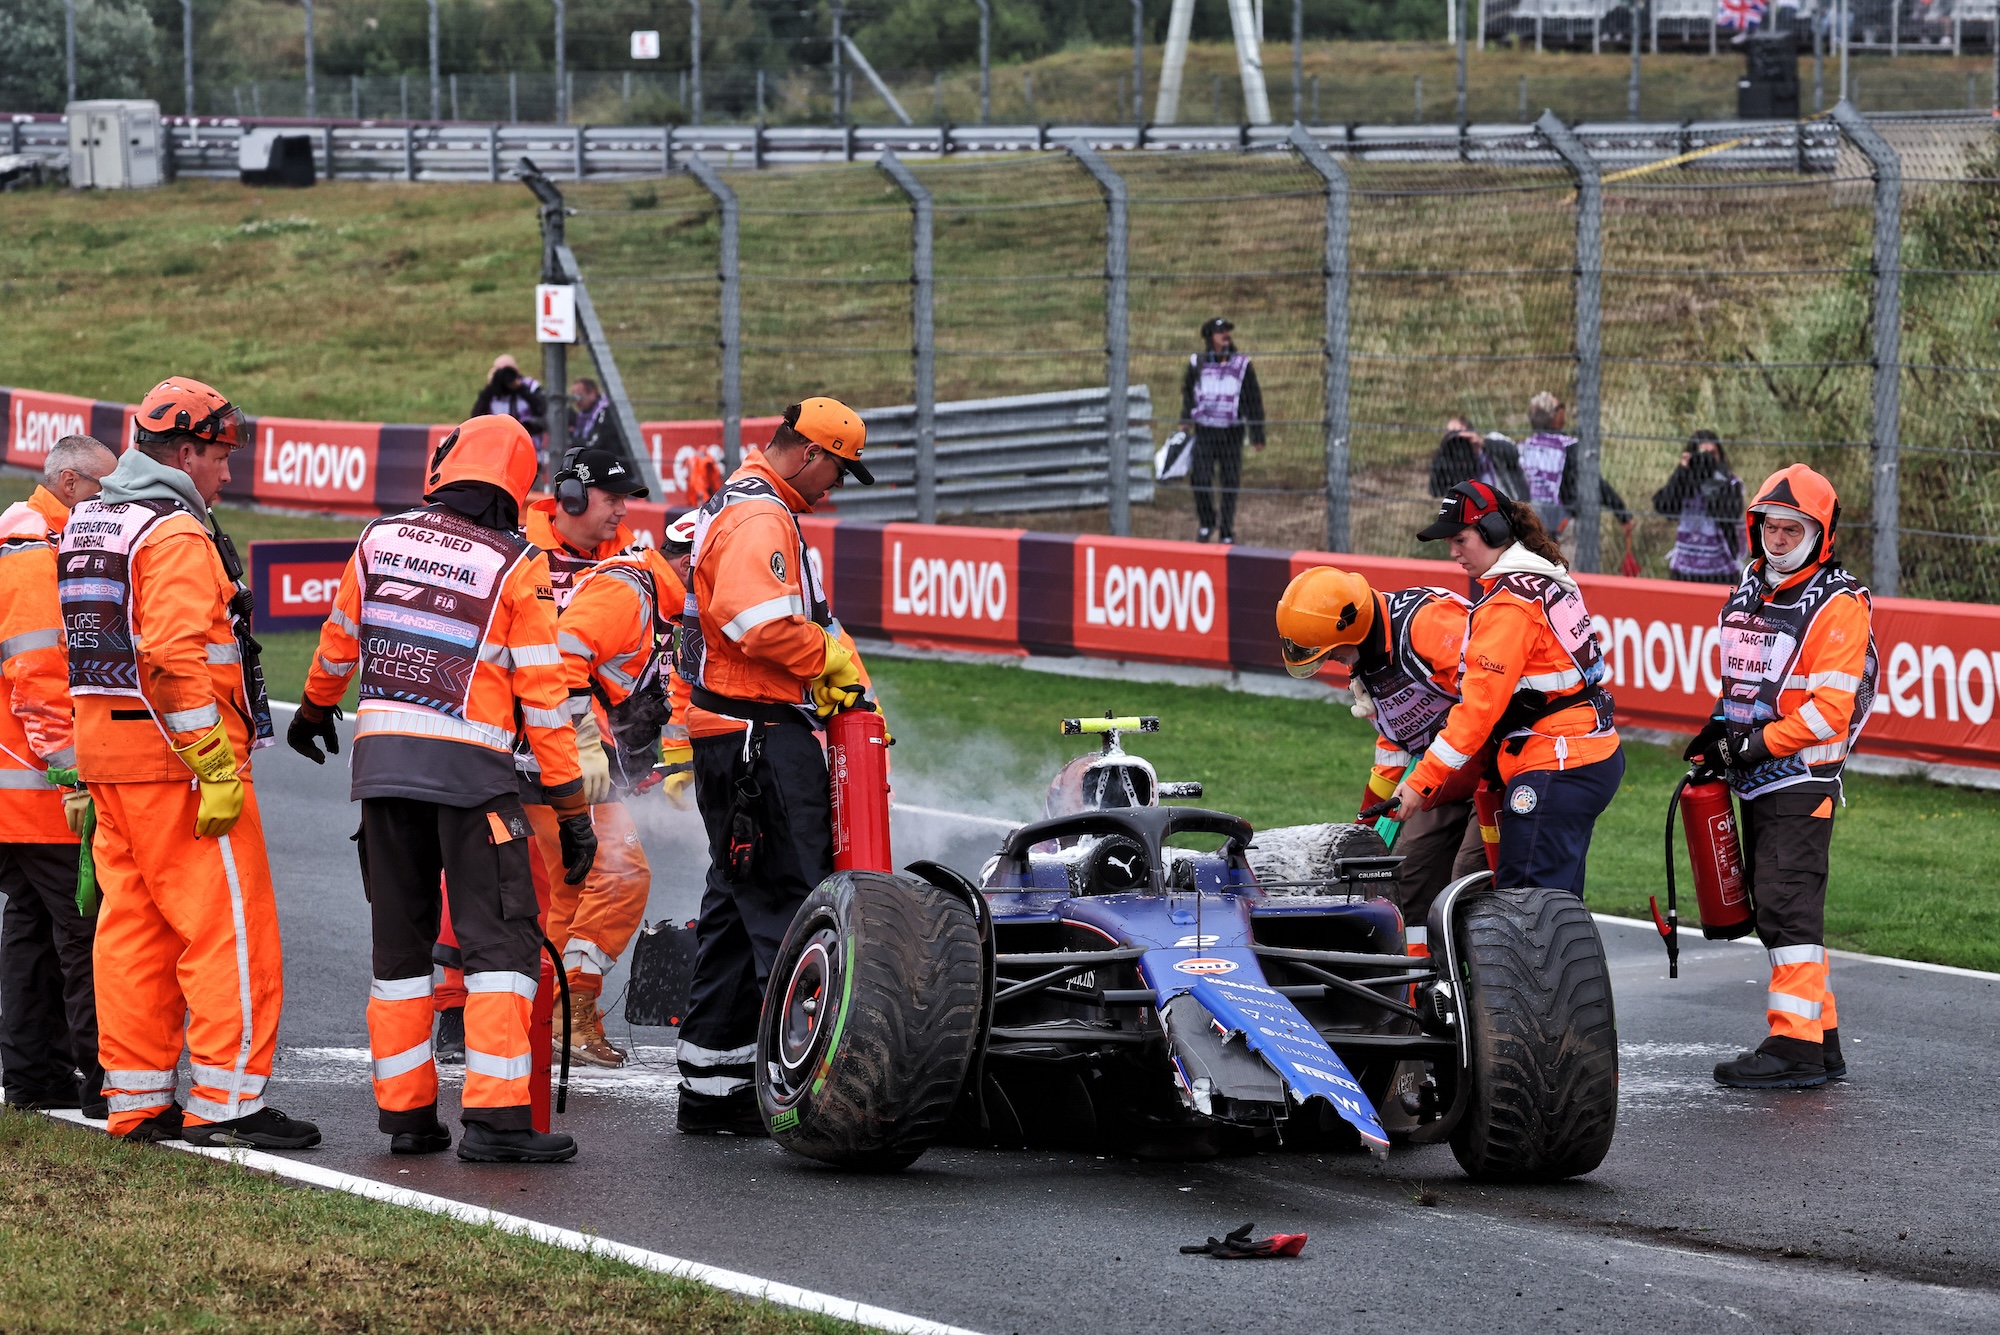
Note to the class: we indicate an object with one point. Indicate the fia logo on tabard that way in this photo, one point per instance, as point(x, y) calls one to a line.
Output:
point(1522, 800)
point(1206, 966)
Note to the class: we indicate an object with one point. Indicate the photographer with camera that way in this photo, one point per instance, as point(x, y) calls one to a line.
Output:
point(1707, 500)
point(1466, 456)
point(508, 393)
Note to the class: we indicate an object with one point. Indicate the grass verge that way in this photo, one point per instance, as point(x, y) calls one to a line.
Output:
point(282, 1258)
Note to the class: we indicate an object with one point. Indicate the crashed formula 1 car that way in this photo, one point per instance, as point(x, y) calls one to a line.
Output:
point(1159, 981)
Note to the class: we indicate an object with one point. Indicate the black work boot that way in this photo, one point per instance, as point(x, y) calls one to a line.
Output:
point(1836, 1065)
point(162, 1125)
point(482, 1144)
point(265, 1129)
point(449, 1046)
point(715, 1114)
point(1778, 1063)
point(432, 1139)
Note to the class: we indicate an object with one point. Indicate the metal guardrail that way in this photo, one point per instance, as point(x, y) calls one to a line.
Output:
point(463, 151)
point(1006, 455)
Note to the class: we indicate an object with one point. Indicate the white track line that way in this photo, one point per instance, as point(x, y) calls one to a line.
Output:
point(730, 1281)
point(1855, 955)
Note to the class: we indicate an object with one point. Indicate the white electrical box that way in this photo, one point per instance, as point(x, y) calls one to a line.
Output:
point(114, 145)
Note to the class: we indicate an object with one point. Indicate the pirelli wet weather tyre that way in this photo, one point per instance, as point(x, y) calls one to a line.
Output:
point(1543, 1101)
point(870, 1021)
point(1297, 857)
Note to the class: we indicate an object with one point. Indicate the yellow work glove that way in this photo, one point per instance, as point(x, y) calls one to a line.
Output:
point(838, 685)
point(213, 761)
point(590, 755)
point(677, 780)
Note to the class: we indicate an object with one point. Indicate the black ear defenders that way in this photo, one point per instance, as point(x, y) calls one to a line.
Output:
point(571, 493)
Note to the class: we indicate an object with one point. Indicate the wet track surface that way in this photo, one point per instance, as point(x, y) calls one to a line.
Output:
point(1847, 1208)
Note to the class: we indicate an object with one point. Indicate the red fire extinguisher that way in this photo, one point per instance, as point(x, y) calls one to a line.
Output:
point(1486, 810)
point(1708, 820)
point(857, 763)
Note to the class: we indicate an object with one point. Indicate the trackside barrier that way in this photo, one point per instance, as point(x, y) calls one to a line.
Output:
point(1013, 592)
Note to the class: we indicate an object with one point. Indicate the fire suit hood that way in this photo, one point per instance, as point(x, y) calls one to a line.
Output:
point(1802, 493)
point(1518, 560)
point(139, 478)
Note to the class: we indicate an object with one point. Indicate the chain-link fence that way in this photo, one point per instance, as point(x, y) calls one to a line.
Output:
point(1735, 291)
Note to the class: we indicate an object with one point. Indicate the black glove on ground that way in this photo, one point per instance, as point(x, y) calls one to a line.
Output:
point(1240, 1246)
point(312, 724)
point(579, 847)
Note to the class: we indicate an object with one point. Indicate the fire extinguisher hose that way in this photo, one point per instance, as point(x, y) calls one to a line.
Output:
point(1671, 924)
point(562, 990)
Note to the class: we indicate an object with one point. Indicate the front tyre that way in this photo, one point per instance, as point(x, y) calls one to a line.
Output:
point(870, 1021)
point(1537, 1000)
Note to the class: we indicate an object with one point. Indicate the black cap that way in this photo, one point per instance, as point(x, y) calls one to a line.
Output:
point(607, 472)
point(1219, 322)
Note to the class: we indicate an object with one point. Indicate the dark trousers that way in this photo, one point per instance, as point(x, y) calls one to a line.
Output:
point(1785, 860)
point(48, 1008)
point(744, 922)
point(1546, 819)
point(481, 853)
point(1217, 461)
point(1437, 847)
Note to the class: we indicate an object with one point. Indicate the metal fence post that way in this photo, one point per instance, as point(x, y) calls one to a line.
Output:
point(1887, 322)
point(1329, 170)
point(1117, 349)
point(923, 334)
point(1589, 331)
point(409, 154)
point(555, 356)
point(729, 272)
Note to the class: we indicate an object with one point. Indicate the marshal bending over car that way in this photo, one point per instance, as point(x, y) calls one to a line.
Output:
point(1160, 981)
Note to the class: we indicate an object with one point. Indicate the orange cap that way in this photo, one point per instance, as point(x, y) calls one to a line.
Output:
point(835, 428)
point(495, 449)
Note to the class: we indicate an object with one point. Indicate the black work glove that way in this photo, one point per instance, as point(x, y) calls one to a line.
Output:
point(1701, 751)
point(311, 725)
point(579, 847)
point(1744, 751)
point(1240, 1246)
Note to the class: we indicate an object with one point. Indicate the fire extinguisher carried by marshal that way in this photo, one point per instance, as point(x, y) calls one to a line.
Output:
point(1708, 820)
point(857, 764)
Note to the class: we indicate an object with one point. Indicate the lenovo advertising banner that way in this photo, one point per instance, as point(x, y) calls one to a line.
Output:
point(294, 583)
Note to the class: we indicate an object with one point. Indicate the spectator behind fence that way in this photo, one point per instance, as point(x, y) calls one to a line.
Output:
point(1707, 499)
point(508, 393)
point(1548, 463)
point(587, 411)
point(1219, 398)
point(1465, 456)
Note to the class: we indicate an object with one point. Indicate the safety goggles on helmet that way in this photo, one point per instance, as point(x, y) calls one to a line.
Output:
point(179, 407)
point(1303, 660)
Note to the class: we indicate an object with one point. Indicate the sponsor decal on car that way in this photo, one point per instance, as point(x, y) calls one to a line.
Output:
point(1205, 966)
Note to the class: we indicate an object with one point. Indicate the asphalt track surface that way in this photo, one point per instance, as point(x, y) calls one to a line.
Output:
point(1853, 1207)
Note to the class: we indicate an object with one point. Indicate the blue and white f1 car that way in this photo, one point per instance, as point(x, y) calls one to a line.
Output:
point(1161, 981)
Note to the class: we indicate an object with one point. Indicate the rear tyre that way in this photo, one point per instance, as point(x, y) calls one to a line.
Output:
point(1544, 1097)
point(870, 1021)
point(1308, 852)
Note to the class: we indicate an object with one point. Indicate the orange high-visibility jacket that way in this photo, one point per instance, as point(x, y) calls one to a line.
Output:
point(37, 731)
point(1510, 646)
point(431, 755)
point(1436, 638)
point(190, 664)
point(759, 640)
point(568, 564)
point(607, 633)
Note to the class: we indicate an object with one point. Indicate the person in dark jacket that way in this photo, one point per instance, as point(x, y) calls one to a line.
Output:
point(1548, 461)
point(508, 393)
point(1220, 400)
point(1707, 500)
point(1466, 456)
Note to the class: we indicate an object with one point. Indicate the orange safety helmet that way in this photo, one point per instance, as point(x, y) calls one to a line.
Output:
point(1322, 609)
point(494, 448)
point(1801, 490)
point(178, 406)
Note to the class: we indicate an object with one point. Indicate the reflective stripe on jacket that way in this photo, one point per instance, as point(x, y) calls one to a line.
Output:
point(1415, 684)
point(451, 627)
point(1800, 662)
point(1512, 645)
point(145, 604)
point(36, 730)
